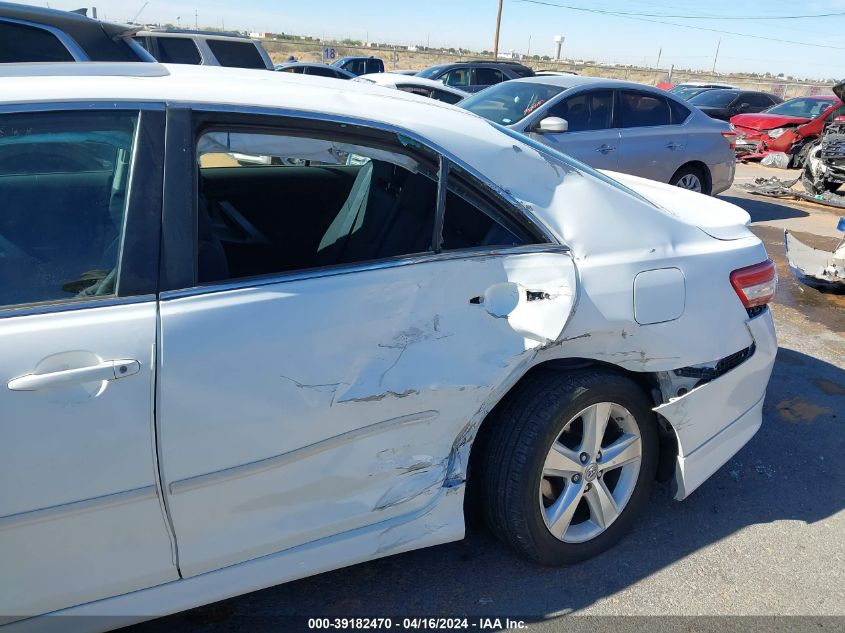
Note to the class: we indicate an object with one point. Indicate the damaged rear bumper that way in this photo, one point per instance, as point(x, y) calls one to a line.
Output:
point(716, 419)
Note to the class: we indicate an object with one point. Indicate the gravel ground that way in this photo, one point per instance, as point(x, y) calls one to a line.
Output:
point(764, 536)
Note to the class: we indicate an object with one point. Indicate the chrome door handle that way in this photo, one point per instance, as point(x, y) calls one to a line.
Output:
point(106, 370)
point(604, 149)
point(673, 146)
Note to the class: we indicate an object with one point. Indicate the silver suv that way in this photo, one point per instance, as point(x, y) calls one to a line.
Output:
point(206, 48)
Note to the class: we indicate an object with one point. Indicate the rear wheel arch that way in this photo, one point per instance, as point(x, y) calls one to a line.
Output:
point(701, 168)
point(647, 382)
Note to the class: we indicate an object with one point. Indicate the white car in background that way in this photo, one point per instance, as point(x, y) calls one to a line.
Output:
point(219, 377)
point(430, 88)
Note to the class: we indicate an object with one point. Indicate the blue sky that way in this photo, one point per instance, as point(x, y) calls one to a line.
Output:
point(471, 23)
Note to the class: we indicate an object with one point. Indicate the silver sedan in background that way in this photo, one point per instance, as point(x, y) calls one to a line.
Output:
point(617, 126)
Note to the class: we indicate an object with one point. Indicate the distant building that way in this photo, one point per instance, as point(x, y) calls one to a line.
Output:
point(261, 35)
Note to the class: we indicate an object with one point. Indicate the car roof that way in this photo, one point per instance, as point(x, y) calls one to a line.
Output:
point(573, 81)
point(65, 20)
point(206, 35)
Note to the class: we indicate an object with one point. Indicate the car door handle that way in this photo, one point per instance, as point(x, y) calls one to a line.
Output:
point(604, 149)
point(673, 146)
point(106, 370)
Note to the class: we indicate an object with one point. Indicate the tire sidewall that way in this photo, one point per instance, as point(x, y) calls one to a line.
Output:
point(617, 390)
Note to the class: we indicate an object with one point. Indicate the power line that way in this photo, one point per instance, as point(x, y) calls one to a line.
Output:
point(695, 17)
point(683, 26)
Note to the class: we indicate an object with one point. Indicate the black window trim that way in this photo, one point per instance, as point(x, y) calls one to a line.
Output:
point(179, 263)
point(139, 278)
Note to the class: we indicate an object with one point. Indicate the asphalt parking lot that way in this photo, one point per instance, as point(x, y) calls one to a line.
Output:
point(764, 536)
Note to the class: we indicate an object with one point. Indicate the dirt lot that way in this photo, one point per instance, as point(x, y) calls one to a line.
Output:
point(764, 536)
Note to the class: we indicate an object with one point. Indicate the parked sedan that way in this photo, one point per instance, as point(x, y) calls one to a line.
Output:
point(616, 125)
point(723, 104)
point(691, 89)
point(416, 85)
point(217, 377)
point(786, 127)
point(319, 70)
point(472, 76)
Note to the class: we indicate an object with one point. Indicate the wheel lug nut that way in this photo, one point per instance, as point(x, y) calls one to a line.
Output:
point(584, 457)
point(598, 456)
point(576, 478)
point(587, 487)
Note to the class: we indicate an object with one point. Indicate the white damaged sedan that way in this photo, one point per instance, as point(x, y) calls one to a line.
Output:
point(252, 334)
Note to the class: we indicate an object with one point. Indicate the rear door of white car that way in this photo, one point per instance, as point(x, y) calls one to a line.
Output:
point(652, 146)
point(81, 518)
point(591, 137)
point(319, 356)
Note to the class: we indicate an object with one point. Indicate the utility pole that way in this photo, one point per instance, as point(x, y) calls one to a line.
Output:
point(498, 24)
point(716, 56)
point(659, 53)
point(196, 21)
point(528, 54)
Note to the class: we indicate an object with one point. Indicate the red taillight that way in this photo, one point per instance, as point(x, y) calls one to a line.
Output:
point(730, 137)
point(755, 285)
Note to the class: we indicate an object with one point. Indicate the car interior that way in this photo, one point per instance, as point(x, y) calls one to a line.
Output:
point(296, 208)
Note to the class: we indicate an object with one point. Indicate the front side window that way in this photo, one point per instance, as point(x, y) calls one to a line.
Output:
point(640, 109)
point(458, 77)
point(321, 71)
point(178, 50)
point(64, 180)
point(236, 54)
point(22, 43)
point(587, 111)
point(511, 101)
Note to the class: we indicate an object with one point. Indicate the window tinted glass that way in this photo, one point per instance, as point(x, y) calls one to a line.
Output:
point(589, 111)
point(178, 50)
point(416, 90)
point(510, 101)
point(488, 76)
point(374, 66)
point(679, 111)
point(640, 109)
point(293, 69)
point(458, 77)
point(236, 54)
point(714, 98)
point(322, 72)
point(430, 73)
point(447, 97)
point(63, 180)
point(522, 71)
point(468, 219)
point(21, 43)
point(803, 107)
point(270, 204)
point(756, 100)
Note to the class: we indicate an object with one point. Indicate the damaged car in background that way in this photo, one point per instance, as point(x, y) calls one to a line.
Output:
point(788, 128)
point(328, 357)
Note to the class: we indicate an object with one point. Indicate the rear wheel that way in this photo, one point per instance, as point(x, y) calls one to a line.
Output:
point(569, 465)
point(691, 178)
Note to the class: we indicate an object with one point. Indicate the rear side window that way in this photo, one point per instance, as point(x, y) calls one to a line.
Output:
point(488, 76)
point(375, 66)
point(415, 90)
point(22, 43)
point(178, 50)
point(64, 179)
point(640, 109)
point(271, 203)
point(680, 112)
point(236, 54)
point(322, 72)
point(588, 111)
point(756, 100)
point(294, 69)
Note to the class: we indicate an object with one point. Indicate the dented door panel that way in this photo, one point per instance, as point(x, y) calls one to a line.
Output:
point(342, 396)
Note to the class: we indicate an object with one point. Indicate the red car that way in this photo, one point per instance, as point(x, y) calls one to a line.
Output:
point(784, 127)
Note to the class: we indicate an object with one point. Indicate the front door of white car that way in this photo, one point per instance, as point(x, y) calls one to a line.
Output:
point(652, 146)
point(591, 137)
point(80, 515)
point(317, 381)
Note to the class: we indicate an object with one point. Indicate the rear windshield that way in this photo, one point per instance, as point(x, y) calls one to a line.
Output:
point(236, 54)
point(511, 101)
point(714, 98)
point(808, 108)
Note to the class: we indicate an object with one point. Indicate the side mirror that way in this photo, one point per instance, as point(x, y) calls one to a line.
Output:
point(743, 107)
point(552, 125)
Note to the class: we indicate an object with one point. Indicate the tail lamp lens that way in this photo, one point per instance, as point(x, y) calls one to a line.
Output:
point(755, 285)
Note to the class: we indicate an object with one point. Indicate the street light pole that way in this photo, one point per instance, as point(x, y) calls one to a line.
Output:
point(498, 24)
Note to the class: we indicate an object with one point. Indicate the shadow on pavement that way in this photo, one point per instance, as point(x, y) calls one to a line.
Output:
point(791, 470)
point(765, 209)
